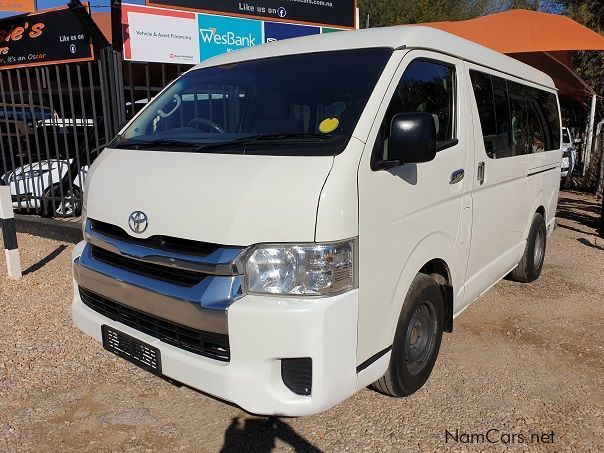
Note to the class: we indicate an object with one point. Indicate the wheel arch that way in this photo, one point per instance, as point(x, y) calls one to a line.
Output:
point(431, 255)
point(540, 206)
point(439, 270)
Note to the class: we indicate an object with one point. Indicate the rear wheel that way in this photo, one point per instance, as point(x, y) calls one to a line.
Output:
point(529, 267)
point(417, 339)
point(69, 205)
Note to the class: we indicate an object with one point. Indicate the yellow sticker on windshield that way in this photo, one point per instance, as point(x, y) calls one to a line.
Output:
point(329, 125)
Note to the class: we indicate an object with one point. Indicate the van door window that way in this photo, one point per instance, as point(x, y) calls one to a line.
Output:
point(426, 86)
point(483, 92)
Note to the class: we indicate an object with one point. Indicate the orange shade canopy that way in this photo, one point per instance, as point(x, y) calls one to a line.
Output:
point(519, 31)
point(541, 40)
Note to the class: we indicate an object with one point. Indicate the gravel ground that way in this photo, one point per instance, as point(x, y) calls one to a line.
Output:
point(523, 360)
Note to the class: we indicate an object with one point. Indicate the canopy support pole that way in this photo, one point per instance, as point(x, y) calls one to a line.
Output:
point(590, 135)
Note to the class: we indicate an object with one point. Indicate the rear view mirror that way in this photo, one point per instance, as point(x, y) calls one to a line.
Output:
point(412, 140)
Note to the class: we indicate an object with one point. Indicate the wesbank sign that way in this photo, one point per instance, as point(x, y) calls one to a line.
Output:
point(188, 37)
point(218, 34)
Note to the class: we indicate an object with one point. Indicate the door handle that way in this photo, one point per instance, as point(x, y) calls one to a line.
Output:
point(480, 173)
point(456, 176)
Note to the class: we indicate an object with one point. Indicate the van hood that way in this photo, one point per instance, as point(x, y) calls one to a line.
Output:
point(223, 199)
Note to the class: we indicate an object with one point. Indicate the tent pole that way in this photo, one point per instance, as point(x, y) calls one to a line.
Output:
point(599, 149)
point(590, 135)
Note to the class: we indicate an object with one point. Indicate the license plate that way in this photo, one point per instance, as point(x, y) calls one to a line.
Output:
point(132, 349)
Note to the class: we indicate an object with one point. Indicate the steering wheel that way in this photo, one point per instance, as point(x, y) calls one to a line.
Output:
point(205, 122)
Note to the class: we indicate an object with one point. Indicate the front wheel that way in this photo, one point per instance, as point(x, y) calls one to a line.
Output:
point(417, 339)
point(529, 267)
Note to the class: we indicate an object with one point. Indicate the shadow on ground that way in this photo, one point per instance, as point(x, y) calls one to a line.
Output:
point(583, 212)
point(260, 434)
point(590, 244)
point(44, 261)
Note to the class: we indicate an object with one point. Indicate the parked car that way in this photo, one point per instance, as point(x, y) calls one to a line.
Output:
point(25, 115)
point(12, 134)
point(37, 187)
point(569, 157)
point(284, 225)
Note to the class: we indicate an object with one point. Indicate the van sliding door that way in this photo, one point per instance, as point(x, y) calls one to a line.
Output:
point(500, 195)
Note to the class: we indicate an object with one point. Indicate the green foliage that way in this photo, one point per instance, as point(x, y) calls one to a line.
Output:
point(397, 12)
point(589, 64)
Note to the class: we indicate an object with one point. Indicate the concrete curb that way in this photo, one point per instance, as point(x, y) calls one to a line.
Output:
point(57, 230)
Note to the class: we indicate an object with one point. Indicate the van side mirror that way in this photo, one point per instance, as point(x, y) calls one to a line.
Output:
point(412, 140)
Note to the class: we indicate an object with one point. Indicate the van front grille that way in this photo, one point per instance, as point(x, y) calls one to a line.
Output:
point(160, 242)
point(173, 275)
point(208, 344)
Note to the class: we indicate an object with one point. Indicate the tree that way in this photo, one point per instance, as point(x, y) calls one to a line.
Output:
point(398, 12)
point(590, 66)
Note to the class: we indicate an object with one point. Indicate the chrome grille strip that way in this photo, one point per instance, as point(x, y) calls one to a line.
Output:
point(219, 263)
point(203, 306)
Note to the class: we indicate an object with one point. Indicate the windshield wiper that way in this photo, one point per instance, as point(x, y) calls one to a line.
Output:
point(260, 138)
point(156, 144)
point(249, 140)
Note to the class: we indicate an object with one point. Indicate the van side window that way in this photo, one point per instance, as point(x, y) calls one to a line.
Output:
point(519, 114)
point(503, 141)
point(516, 119)
point(426, 86)
point(548, 103)
point(537, 131)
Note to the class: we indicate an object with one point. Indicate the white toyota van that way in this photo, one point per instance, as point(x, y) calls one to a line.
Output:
point(285, 225)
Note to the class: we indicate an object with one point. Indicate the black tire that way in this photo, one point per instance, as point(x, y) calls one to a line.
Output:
point(567, 181)
point(529, 267)
point(410, 366)
point(68, 206)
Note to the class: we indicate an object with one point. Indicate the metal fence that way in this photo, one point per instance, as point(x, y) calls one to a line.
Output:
point(55, 120)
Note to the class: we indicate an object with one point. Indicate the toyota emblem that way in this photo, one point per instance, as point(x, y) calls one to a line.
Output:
point(138, 222)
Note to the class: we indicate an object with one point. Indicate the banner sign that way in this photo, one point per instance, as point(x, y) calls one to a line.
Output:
point(183, 37)
point(335, 13)
point(49, 37)
point(219, 34)
point(25, 6)
point(160, 35)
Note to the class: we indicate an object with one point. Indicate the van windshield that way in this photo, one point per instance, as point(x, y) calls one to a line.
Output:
point(304, 104)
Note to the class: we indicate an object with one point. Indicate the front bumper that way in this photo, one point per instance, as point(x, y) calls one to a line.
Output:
point(262, 330)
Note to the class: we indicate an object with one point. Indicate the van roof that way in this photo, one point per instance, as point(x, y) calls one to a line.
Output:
point(401, 36)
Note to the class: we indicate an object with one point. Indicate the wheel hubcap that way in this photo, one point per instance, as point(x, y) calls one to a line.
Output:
point(539, 249)
point(421, 336)
point(67, 206)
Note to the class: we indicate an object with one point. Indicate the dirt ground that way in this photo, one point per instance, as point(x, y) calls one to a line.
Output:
point(524, 362)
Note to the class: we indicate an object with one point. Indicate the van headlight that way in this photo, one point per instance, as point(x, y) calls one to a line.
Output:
point(300, 269)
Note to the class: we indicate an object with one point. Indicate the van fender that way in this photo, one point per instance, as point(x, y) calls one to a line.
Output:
point(429, 248)
point(540, 201)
